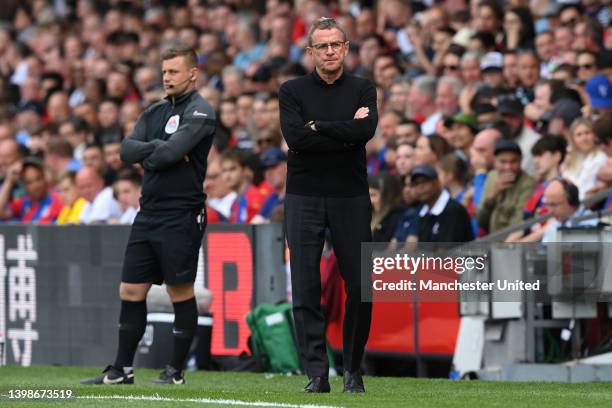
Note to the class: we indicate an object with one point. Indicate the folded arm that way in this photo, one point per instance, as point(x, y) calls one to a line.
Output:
point(300, 138)
point(135, 148)
point(354, 131)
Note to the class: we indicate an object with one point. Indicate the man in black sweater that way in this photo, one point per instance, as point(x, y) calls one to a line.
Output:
point(327, 117)
point(442, 218)
point(171, 140)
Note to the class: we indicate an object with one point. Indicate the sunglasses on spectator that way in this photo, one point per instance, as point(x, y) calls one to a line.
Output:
point(586, 66)
point(451, 67)
point(336, 45)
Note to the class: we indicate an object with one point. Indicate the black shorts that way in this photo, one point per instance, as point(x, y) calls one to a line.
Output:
point(164, 248)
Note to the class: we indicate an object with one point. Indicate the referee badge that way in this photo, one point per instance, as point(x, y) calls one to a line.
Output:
point(172, 124)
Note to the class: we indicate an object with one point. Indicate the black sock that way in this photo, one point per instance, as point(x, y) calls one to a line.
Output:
point(185, 324)
point(132, 324)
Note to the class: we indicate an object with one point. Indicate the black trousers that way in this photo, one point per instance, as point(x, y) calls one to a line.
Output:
point(348, 219)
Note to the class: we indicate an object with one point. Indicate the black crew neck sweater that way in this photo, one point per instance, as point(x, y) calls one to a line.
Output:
point(331, 161)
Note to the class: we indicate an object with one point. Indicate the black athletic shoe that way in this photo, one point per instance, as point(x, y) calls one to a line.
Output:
point(170, 376)
point(112, 375)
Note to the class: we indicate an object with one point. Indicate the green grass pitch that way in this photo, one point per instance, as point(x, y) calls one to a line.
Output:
point(222, 389)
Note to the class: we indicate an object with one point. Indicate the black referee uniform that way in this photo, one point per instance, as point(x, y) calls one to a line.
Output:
point(172, 140)
point(327, 188)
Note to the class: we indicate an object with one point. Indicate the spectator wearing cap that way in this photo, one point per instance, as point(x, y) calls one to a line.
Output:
point(101, 205)
point(249, 200)
point(548, 154)
point(68, 192)
point(491, 68)
point(463, 127)
point(407, 228)
point(506, 190)
point(585, 158)
point(39, 205)
point(599, 89)
point(561, 200)
point(511, 112)
point(482, 105)
point(442, 219)
point(274, 162)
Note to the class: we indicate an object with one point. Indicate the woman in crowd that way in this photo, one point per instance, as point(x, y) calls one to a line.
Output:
point(429, 149)
point(454, 176)
point(584, 157)
point(385, 195)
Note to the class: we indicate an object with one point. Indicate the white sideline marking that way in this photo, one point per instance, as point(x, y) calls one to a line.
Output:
point(202, 401)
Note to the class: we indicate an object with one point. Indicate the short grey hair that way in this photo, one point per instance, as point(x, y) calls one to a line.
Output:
point(471, 55)
point(427, 84)
point(324, 23)
point(454, 82)
point(232, 70)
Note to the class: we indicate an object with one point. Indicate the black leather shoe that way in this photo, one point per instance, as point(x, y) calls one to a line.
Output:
point(353, 382)
point(318, 384)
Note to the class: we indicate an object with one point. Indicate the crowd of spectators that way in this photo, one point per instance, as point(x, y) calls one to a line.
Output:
point(484, 106)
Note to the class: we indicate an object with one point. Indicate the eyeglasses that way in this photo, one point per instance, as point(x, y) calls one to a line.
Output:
point(336, 46)
point(451, 67)
point(586, 66)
